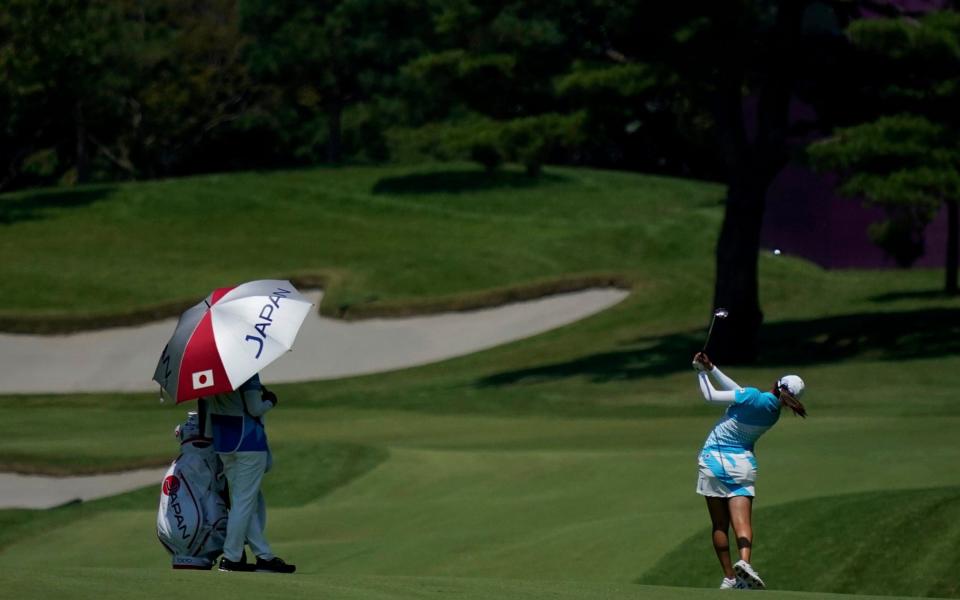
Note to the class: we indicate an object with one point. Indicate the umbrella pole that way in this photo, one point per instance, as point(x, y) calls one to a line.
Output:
point(202, 415)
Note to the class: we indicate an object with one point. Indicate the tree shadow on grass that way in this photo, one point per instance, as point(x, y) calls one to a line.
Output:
point(915, 295)
point(38, 205)
point(884, 336)
point(456, 182)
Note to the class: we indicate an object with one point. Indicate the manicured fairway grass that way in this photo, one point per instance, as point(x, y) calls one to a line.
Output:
point(558, 466)
point(149, 583)
point(921, 526)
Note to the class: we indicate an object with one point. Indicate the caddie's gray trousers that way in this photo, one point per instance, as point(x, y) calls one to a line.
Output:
point(248, 510)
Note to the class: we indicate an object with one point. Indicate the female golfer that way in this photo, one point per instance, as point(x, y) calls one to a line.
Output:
point(728, 468)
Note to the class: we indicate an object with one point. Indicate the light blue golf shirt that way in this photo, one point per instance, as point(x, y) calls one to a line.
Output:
point(750, 415)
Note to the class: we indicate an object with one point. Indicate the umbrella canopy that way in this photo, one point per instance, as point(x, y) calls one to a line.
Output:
point(229, 337)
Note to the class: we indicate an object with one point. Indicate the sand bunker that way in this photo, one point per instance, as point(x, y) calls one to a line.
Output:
point(124, 358)
point(38, 491)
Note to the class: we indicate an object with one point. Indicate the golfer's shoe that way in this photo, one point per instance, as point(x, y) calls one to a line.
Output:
point(728, 583)
point(240, 566)
point(750, 577)
point(274, 565)
point(733, 583)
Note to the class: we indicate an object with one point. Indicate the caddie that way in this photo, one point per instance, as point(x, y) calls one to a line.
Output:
point(192, 518)
point(240, 440)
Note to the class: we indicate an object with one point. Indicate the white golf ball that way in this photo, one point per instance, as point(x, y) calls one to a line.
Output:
point(776, 252)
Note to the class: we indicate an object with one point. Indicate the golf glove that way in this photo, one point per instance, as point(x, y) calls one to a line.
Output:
point(269, 396)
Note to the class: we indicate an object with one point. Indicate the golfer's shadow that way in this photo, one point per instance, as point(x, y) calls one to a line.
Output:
point(883, 336)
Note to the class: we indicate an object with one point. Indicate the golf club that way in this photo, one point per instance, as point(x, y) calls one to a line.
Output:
point(718, 313)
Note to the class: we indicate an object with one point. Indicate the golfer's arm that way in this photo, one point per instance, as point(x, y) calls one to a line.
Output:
point(724, 382)
point(711, 395)
point(255, 403)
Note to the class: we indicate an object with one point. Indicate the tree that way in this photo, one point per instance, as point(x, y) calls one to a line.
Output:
point(751, 64)
point(60, 77)
point(326, 56)
point(907, 160)
point(488, 79)
point(577, 81)
point(193, 88)
point(751, 163)
point(119, 88)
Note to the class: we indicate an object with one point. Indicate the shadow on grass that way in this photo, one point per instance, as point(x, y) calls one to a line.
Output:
point(455, 182)
point(918, 295)
point(37, 205)
point(885, 336)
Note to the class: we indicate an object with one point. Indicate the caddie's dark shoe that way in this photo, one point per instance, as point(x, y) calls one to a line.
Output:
point(274, 565)
point(239, 566)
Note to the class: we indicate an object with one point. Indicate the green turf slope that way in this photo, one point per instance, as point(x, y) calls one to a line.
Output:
point(882, 542)
point(389, 234)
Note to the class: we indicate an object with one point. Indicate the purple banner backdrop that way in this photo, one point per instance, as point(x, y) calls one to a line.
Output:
point(806, 217)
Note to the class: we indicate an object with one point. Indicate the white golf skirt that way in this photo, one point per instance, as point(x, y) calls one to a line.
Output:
point(727, 474)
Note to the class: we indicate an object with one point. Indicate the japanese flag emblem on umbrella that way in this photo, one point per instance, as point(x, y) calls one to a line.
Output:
point(229, 337)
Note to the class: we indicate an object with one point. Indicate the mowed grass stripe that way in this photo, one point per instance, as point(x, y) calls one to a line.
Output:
point(567, 506)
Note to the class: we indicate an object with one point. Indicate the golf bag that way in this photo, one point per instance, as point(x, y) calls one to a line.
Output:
point(192, 519)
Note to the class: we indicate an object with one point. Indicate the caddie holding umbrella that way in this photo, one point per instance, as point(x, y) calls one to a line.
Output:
point(215, 354)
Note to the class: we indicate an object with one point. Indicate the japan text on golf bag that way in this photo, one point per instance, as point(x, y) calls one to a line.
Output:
point(192, 519)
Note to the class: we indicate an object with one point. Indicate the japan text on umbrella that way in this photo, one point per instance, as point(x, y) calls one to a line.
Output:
point(229, 337)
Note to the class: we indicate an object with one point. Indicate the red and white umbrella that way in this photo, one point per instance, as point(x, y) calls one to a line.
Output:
point(229, 337)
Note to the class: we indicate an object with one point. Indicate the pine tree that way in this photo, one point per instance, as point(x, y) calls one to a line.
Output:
point(907, 159)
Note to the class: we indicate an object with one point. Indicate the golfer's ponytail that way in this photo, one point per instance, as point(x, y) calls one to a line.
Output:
point(792, 403)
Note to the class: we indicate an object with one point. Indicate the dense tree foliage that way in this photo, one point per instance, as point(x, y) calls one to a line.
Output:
point(907, 158)
point(322, 58)
point(108, 89)
point(120, 89)
point(63, 80)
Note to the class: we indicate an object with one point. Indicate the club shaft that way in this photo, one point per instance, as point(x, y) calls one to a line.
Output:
point(709, 331)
